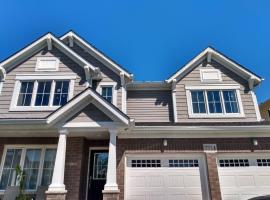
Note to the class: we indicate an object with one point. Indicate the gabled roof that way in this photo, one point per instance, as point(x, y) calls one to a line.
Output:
point(46, 40)
point(211, 53)
point(97, 54)
point(82, 99)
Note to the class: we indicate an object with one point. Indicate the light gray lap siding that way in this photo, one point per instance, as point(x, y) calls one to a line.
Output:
point(228, 77)
point(150, 106)
point(90, 114)
point(28, 67)
point(107, 74)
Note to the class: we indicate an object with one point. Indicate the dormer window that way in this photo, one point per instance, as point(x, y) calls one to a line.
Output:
point(212, 102)
point(43, 93)
point(47, 64)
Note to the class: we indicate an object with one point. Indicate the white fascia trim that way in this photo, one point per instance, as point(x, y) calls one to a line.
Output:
point(114, 87)
point(256, 106)
point(57, 42)
point(79, 99)
point(218, 55)
point(47, 76)
point(196, 131)
point(189, 64)
point(90, 124)
point(213, 87)
point(96, 52)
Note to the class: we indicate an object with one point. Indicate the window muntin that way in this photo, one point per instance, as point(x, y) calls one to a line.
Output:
point(60, 93)
point(218, 102)
point(25, 94)
point(198, 101)
point(263, 162)
point(33, 162)
point(106, 92)
point(48, 93)
point(214, 101)
point(43, 93)
point(230, 101)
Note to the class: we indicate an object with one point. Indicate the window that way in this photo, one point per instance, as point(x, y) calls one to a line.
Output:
point(234, 163)
point(145, 163)
point(25, 95)
point(42, 93)
point(263, 162)
point(108, 90)
point(198, 102)
point(37, 164)
point(60, 93)
point(230, 101)
point(107, 93)
point(100, 165)
point(47, 64)
point(183, 163)
point(214, 103)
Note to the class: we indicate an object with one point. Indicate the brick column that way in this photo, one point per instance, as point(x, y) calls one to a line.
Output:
point(213, 179)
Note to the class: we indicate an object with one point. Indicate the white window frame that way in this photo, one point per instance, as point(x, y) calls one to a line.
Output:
point(114, 90)
point(36, 78)
point(220, 88)
point(1, 86)
point(202, 71)
point(22, 160)
point(53, 68)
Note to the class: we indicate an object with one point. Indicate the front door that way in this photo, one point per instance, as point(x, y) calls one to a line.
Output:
point(97, 174)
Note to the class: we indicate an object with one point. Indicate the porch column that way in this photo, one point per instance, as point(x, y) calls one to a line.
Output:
point(57, 187)
point(111, 171)
point(111, 188)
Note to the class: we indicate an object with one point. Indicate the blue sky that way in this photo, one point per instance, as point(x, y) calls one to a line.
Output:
point(152, 38)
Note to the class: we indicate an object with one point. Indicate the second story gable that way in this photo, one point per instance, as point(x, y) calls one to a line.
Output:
point(210, 88)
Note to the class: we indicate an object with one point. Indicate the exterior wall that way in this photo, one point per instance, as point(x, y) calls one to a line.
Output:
point(107, 74)
point(150, 106)
point(264, 109)
point(228, 77)
point(224, 145)
point(90, 114)
point(66, 65)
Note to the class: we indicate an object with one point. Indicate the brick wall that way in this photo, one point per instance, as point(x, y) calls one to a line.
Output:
point(186, 145)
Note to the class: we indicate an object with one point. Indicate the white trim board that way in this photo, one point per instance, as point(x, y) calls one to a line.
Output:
point(41, 43)
point(88, 96)
point(97, 54)
point(218, 57)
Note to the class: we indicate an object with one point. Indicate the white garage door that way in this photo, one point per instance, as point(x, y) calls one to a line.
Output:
point(166, 177)
point(244, 176)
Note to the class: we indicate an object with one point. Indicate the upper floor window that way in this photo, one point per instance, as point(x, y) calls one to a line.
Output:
point(107, 93)
point(41, 94)
point(47, 64)
point(214, 103)
point(37, 162)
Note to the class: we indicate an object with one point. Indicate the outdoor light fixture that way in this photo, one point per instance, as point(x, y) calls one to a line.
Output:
point(165, 142)
point(255, 142)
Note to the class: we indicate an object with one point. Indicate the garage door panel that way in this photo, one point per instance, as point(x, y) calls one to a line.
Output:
point(169, 179)
point(252, 179)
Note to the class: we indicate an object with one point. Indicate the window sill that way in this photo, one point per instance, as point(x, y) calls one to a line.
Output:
point(215, 116)
point(36, 108)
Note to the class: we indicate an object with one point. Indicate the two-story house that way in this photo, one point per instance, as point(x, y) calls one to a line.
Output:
point(77, 122)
